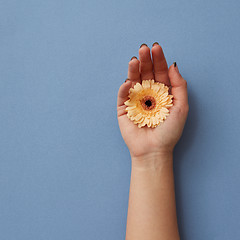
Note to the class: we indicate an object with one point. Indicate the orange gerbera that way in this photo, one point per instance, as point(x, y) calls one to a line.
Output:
point(148, 103)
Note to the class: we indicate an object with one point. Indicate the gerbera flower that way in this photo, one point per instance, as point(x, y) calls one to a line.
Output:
point(148, 103)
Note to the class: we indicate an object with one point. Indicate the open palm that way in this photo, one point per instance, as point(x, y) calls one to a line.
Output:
point(163, 138)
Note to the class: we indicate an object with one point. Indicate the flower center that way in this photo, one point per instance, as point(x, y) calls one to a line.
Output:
point(148, 103)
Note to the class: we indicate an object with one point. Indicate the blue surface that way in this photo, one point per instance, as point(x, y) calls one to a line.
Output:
point(64, 168)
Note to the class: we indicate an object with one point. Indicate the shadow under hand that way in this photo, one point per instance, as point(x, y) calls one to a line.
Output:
point(180, 152)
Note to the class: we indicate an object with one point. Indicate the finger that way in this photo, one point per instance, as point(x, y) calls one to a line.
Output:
point(146, 66)
point(179, 86)
point(160, 65)
point(133, 70)
point(123, 93)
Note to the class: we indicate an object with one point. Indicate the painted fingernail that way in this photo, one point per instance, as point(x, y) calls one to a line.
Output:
point(127, 80)
point(175, 66)
point(133, 57)
point(156, 43)
point(144, 44)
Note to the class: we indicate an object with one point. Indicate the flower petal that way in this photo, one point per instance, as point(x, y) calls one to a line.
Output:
point(150, 117)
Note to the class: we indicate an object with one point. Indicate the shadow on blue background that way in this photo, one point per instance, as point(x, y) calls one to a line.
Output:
point(186, 142)
point(64, 168)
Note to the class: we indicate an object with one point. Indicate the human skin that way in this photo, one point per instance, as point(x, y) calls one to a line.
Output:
point(152, 207)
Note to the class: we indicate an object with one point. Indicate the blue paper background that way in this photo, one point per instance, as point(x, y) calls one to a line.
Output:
point(64, 168)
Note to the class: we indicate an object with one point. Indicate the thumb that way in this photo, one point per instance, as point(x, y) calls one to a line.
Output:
point(123, 92)
point(179, 86)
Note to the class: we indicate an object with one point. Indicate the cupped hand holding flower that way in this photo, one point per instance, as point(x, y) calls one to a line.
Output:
point(147, 141)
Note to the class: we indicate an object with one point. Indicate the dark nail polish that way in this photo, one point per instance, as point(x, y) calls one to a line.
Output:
point(133, 57)
point(175, 64)
point(144, 44)
point(155, 43)
point(127, 79)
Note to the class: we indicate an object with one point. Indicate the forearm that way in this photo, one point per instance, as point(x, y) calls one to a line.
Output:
point(152, 208)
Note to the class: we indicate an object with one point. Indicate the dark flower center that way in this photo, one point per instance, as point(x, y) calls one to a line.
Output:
point(148, 102)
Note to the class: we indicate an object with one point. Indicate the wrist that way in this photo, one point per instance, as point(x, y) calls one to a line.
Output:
point(152, 160)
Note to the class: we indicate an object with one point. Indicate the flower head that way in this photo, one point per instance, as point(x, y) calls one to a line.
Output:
point(148, 103)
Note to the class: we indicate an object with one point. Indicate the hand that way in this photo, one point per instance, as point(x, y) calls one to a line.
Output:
point(147, 141)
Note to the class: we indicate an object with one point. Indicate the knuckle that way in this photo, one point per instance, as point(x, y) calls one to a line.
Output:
point(184, 83)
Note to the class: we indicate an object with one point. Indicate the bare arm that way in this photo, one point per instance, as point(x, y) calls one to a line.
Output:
point(152, 208)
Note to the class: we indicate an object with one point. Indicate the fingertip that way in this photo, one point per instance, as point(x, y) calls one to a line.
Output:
point(143, 50)
point(157, 47)
point(143, 45)
point(173, 69)
point(127, 81)
point(124, 88)
point(134, 57)
point(133, 70)
point(123, 92)
point(146, 65)
point(133, 62)
point(175, 77)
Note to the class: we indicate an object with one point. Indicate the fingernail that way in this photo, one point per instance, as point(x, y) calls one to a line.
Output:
point(144, 44)
point(127, 80)
point(133, 57)
point(155, 43)
point(175, 66)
